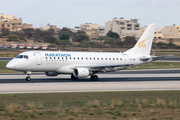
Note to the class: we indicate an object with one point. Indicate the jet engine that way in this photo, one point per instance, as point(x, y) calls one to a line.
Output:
point(81, 72)
point(51, 73)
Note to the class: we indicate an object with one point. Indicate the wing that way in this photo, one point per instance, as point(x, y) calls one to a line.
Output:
point(108, 66)
point(114, 65)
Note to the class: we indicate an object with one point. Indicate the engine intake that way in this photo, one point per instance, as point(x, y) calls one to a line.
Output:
point(81, 72)
point(51, 73)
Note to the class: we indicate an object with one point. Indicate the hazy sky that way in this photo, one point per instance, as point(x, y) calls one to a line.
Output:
point(70, 13)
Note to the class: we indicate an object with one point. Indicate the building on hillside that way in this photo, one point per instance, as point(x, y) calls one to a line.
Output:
point(157, 33)
point(164, 32)
point(92, 30)
point(76, 28)
point(10, 22)
point(113, 26)
point(101, 31)
point(54, 27)
point(27, 26)
point(123, 27)
point(171, 31)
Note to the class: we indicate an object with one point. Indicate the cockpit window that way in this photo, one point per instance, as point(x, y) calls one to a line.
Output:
point(22, 56)
point(19, 56)
point(25, 57)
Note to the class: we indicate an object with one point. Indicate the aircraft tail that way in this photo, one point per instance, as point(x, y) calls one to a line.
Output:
point(143, 45)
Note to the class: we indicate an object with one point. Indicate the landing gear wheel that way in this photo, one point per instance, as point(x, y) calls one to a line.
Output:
point(28, 78)
point(73, 77)
point(94, 77)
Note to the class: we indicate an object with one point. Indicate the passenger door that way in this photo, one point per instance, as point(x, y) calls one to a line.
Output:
point(126, 59)
point(38, 58)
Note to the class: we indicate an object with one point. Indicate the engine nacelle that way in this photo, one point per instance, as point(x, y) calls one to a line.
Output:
point(81, 72)
point(51, 73)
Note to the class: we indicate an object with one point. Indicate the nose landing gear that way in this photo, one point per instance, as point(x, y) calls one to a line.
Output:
point(28, 78)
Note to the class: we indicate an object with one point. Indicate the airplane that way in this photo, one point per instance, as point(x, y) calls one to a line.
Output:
point(85, 64)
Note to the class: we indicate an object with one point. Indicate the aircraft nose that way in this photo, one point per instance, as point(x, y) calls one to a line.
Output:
point(10, 65)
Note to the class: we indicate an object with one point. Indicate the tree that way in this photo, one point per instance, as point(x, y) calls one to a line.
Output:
point(80, 32)
point(36, 37)
point(112, 35)
point(64, 37)
point(28, 32)
point(5, 31)
point(50, 39)
point(22, 36)
point(65, 31)
point(80, 37)
point(129, 40)
point(13, 37)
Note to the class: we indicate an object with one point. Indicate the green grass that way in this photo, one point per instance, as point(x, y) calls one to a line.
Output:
point(158, 65)
point(159, 105)
point(153, 65)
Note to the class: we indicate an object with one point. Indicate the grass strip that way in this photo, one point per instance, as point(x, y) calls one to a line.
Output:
point(141, 105)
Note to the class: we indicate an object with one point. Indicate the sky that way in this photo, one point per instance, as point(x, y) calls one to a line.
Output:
point(70, 13)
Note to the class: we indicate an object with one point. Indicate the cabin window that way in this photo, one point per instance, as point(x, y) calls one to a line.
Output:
point(50, 57)
point(109, 58)
point(78, 58)
point(106, 58)
point(66, 58)
point(86, 58)
point(90, 58)
point(58, 57)
point(54, 57)
point(46, 58)
point(101, 58)
point(82, 58)
point(113, 59)
point(74, 58)
point(62, 57)
point(117, 58)
point(70, 58)
point(94, 58)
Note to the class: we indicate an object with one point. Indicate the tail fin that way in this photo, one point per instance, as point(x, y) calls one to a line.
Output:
point(143, 45)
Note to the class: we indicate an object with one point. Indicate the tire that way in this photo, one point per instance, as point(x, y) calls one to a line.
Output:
point(94, 77)
point(73, 77)
point(28, 78)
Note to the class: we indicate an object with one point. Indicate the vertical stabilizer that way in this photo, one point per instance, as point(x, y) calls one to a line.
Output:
point(143, 45)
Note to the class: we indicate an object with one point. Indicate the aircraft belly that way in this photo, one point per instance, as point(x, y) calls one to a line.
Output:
point(65, 69)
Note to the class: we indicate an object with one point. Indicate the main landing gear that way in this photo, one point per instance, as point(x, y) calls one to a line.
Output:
point(94, 78)
point(28, 78)
point(73, 77)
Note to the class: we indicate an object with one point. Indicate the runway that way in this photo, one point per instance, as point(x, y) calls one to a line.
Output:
point(132, 80)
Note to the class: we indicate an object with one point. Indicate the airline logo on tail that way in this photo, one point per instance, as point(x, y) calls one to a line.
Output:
point(142, 43)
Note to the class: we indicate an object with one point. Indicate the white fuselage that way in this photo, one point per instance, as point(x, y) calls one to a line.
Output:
point(63, 62)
